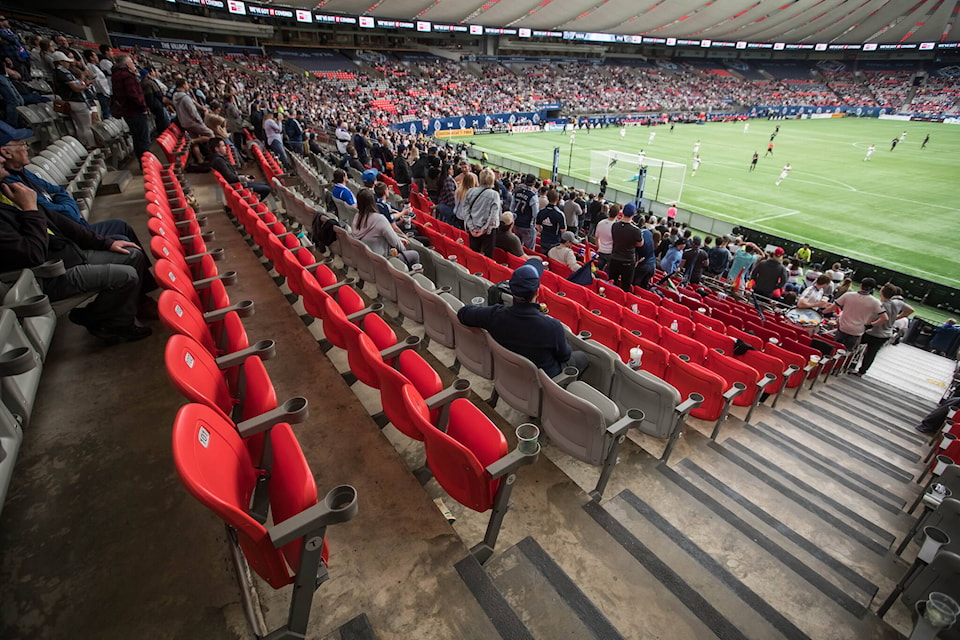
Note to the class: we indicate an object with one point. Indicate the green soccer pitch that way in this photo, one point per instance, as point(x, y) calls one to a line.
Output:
point(900, 210)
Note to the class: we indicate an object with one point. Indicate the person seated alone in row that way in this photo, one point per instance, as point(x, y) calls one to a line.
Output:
point(220, 164)
point(523, 328)
point(564, 252)
point(116, 270)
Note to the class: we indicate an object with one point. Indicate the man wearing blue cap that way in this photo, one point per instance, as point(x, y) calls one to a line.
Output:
point(623, 258)
point(523, 328)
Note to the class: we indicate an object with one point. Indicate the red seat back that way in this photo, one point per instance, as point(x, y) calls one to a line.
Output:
point(682, 345)
point(459, 457)
point(733, 370)
point(749, 338)
point(666, 318)
point(648, 327)
point(655, 358)
point(765, 363)
point(602, 330)
point(688, 378)
point(714, 340)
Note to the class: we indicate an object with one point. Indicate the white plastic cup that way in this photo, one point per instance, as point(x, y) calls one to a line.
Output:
point(479, 301)
point(814, 361)
point(528, 436)
point(942, 463)
point(416, 268)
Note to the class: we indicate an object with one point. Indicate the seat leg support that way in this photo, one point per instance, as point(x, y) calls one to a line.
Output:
point(501, 505)
point(899, 588)
point(310, 575)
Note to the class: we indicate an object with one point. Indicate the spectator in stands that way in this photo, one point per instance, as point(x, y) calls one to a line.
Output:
point(506, 238)
point(743, 261)
point(374, 230)
point(12, 48)
point(693, 263)
point(340, 190)
point(293, 131)
point(646, 259)
point(447, 198)
point(718, 258)
point(220, 164)
point(815, 296)
point(836, 273)
point(189, 119)
point(343, 138)
point(671, 260)
point(482, 214)
point(154, 95)
point(31, 234)
point(523, 328)
point(770, 276)
point(572, 213)
point(813, 273)
point(273, 130)
point(803, 254)
point(99, 82)
point(526, 208)
point(351, 161)
point(468, 182)
point(933, 421)
point(106, 60)
point(564, 252)
point(401, 172)
point(71, 89)
point(623, 256)
point(10, 97)
point(15, 156)
point(894, 308)
point(604, 235)
point(550, 221)
point(130, 103)
point(860, 311)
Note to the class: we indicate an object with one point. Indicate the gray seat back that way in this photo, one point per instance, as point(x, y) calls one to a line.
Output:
point(41, 320)
point(516, 379)
point(470, 343)
point(437, 324)
point(599, 374)
point(448, 275)
point(408, 300)
point(383, 277)
point(472, 286)
point(641, 390)
point(572, 424)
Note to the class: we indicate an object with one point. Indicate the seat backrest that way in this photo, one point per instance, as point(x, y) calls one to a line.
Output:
point(714, 339)
point(472, 286)
point(408, 300)
point(652, 395)
point(383, 276)
point(648, 327)
point(942, 576)
point(752, 340)
point(574, 425)
point(654, 358)
point(459, 457)
point(216, 469)
point(561, 308)
point(470, 343)
point(515, 379)
point(667, 318)
point(765, 363)
point(437, 323)
point(599, 374)
point(788, 358)
point(682, 345)
point(689, 378)
point(608, 309)
point(733, 370)
point(602, 330)
point(448, 275)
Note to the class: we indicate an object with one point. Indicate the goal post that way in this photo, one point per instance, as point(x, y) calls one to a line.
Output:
point(664, 178)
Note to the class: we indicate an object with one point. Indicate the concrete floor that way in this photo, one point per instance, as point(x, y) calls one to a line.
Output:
point(783, 529)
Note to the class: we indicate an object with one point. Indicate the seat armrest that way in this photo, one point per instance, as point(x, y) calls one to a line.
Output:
point(244, 309)
point(16, 361)
point(565, 377)
point(205, 236)
point(34, 306)
point(50, 269)
point(792, 369)
point(339, 505)
point(633, 418)
point(216, 254)
point(292, 411)
point(459, 389)
point(734, 391)
point(228, 278)
point(765, 380)
point(265, 350)
point(511, 462)
point(374, 308)
point(345, 282)
point(688, 405)
point(410, 342)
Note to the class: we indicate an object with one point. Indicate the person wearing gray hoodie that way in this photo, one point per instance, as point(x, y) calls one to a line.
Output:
point(482, 207)
point(373, 229)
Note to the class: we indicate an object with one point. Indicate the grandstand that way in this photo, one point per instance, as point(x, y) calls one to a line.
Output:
point(716, 472)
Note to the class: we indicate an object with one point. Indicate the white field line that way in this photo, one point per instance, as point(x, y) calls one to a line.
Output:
point(782, 215)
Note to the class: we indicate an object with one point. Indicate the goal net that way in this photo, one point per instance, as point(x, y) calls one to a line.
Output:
point(664, 178)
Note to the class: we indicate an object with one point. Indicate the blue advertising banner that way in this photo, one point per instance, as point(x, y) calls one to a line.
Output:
point(124, 41)
point(481, 121)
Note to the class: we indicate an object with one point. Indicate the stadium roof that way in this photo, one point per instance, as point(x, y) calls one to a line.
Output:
point(804, 21)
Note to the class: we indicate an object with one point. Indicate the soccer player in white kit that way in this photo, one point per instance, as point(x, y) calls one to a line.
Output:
point(696, 165)
point(653, 134)
point(870, 151)
point(623, 132)
point(783, 174)
point(746, 127)
point(696, 147)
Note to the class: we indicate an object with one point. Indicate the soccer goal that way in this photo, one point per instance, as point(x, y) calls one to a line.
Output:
point(664, 178)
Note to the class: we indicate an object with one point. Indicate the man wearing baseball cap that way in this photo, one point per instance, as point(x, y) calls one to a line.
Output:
point(523, 328)
point(623, 259)
point(770, 275)
point(564, 252)
point(31, 234)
